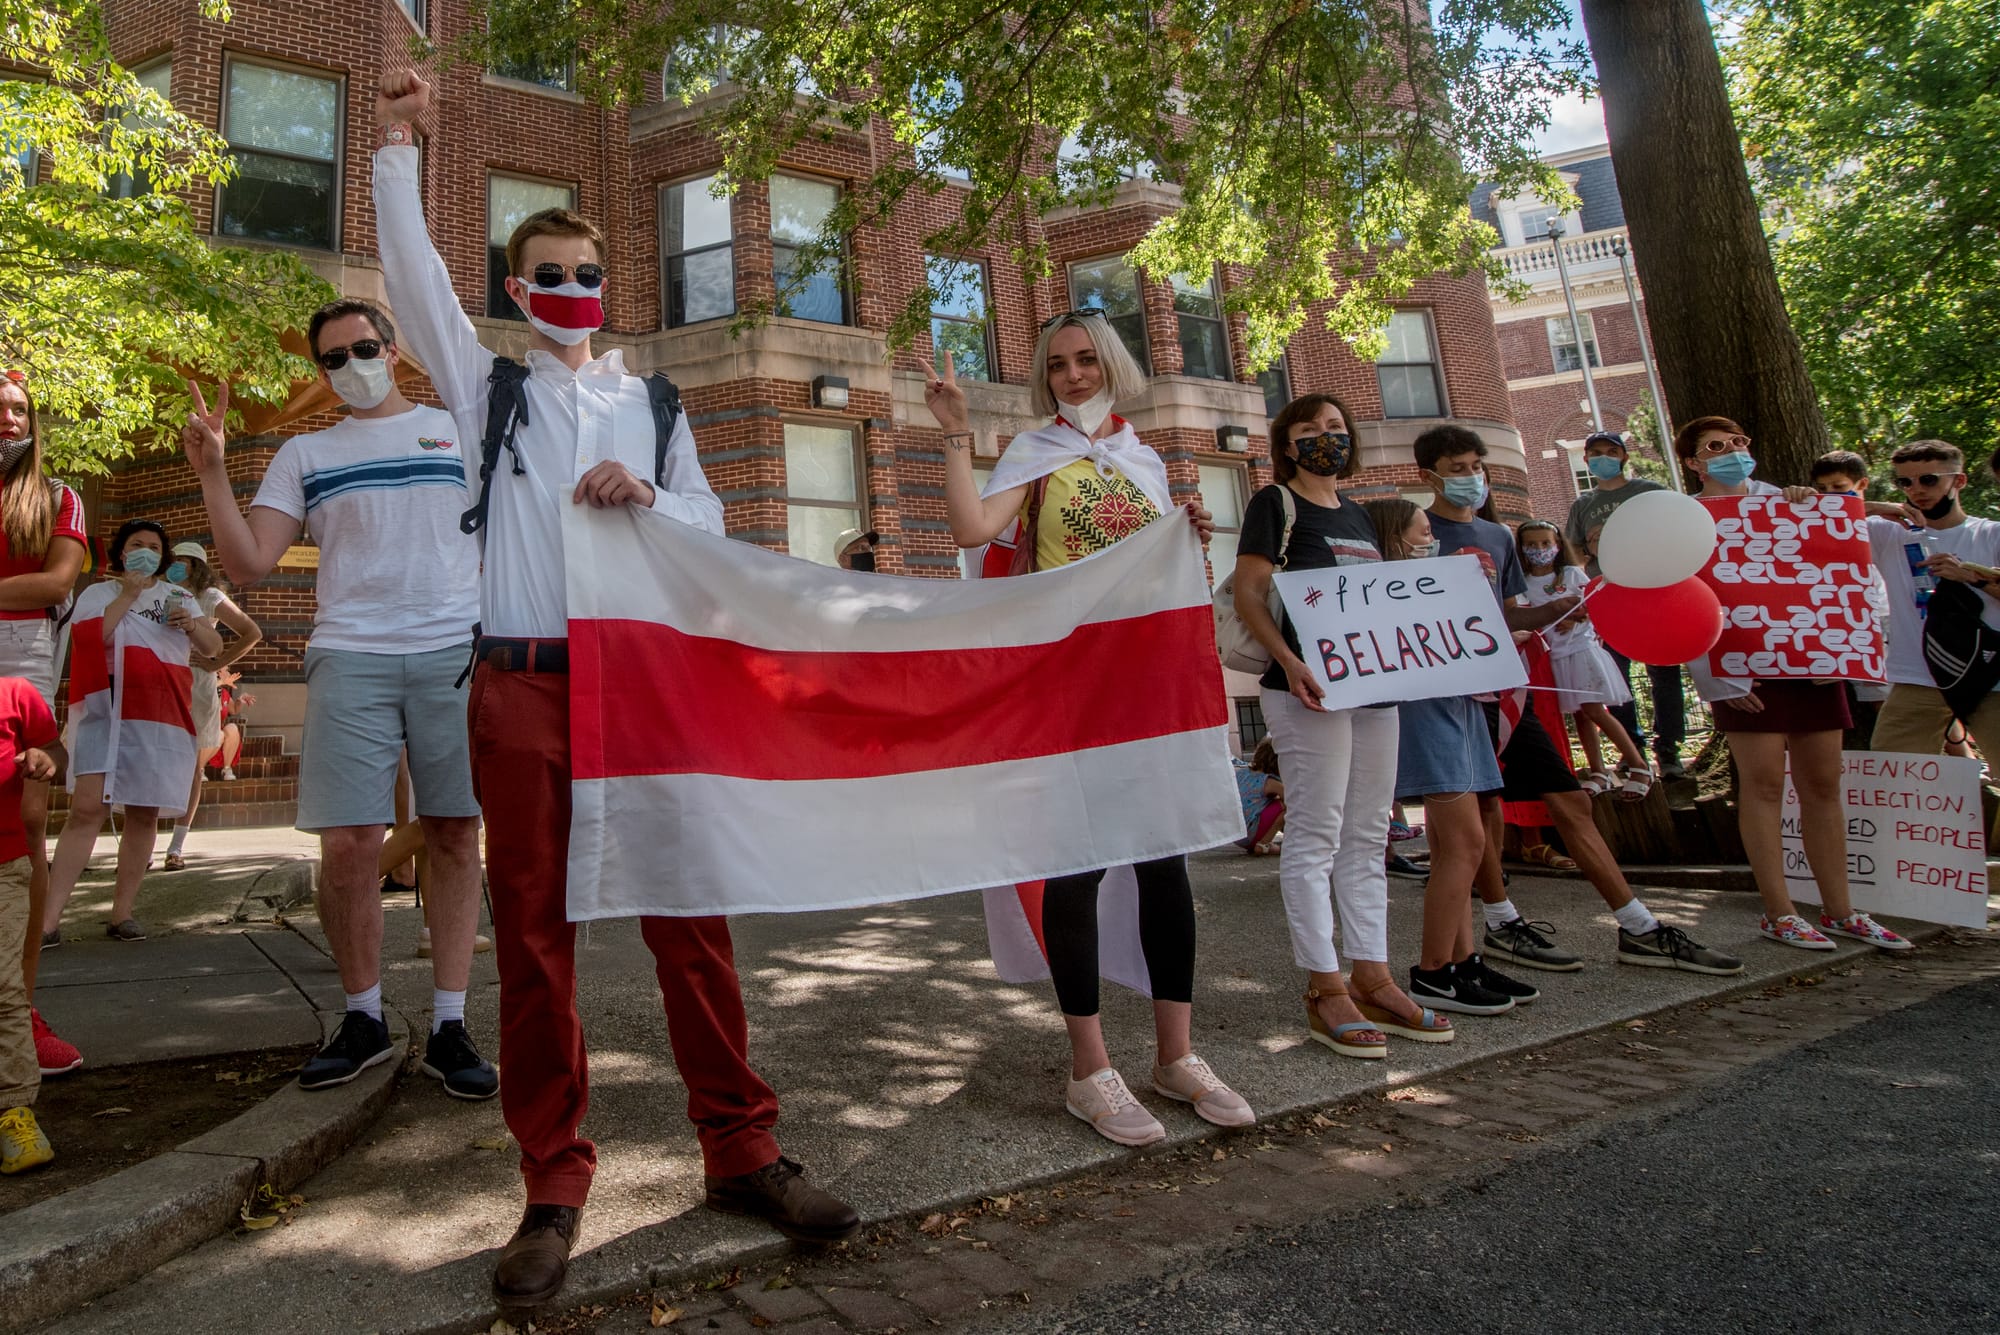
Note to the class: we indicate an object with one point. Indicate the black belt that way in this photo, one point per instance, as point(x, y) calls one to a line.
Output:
point(511, 655)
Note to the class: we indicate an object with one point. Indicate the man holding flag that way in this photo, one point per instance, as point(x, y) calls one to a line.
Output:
point(579, 431)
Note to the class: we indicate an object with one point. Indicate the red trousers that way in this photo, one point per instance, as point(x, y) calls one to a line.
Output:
point(521, 770)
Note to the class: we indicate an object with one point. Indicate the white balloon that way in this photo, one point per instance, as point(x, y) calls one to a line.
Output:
point(1654, 540)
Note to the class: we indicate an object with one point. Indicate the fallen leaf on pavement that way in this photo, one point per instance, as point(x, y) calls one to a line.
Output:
point(777, 1282)
point(665, 1316)
point(112, 1112)
point(1218, 1156)
point(501, 1326)
point(728, 1280)
point(491, 1143)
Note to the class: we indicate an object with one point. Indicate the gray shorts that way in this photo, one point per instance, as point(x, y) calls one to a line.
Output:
point(28, 650)
point(362, 710)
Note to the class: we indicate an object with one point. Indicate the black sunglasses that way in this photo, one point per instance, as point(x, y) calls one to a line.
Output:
point(1923, 480)
point(552, 275)
point(367, 349)
point(1078, 314)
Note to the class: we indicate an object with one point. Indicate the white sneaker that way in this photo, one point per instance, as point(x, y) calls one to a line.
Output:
point(1102, 1100)
point(1190, 1081)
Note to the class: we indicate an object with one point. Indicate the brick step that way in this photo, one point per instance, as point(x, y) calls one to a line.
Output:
point(263, 744)
point(239, 815)
point(217, 793)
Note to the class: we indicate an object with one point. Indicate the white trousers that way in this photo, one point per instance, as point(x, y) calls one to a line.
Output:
point(1339, 772)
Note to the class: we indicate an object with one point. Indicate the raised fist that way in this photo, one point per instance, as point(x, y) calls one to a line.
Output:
point(402, 97)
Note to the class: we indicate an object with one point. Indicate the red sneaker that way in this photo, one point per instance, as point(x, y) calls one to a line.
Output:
point(54, 1056)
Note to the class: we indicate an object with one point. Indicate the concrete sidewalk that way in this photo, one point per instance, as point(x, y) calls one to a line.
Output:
point(910, 1078)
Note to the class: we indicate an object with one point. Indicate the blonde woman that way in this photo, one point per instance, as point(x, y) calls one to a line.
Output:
point(1076, 486)
point(43, 542)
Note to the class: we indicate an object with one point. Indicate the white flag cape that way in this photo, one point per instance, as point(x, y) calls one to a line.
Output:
point(755, 733)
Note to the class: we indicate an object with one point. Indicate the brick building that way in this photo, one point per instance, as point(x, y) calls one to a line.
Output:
point(292, 87)
point(1538, 348)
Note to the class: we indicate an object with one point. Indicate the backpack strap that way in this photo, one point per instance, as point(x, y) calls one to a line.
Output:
point(665, 397)
point(1291, 507)
point(506, 414)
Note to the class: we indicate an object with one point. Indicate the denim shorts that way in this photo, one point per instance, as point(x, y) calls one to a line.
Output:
point(1444, 747)
point(362, 711)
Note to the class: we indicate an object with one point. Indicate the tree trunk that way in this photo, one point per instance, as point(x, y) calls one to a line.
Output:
point(1718, 321)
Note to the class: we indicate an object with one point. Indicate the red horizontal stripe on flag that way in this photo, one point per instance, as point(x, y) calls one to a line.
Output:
point(86, 658)
point(649, 699)
point(155, 691)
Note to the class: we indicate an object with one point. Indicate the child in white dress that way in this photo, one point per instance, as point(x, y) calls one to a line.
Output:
point(1587, 678)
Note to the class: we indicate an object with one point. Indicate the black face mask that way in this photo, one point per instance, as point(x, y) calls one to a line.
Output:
point(1943, 508)
point(1324, 455)
point(861, 561)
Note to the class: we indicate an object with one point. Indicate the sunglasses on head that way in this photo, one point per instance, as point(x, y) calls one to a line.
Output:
point(1724, 445)
point(366, 349)
point(589, 276)
point(1922, 480)
point(1078, 314)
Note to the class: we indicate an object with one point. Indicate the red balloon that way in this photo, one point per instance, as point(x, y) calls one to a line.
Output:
point(1674, 624)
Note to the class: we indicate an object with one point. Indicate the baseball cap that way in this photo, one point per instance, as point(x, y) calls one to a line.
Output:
point(1604, 437)
point(194, 551)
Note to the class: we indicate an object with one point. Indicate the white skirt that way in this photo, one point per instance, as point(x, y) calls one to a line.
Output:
point(1588, 676)
point(206, 707)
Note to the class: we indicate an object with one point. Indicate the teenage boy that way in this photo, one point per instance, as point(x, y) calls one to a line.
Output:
point(1937, 541)
point(381, 493)
point(1845, 473)
point(1840, 473)
point(586, 435)
point(26, 726)
point(1453, 461)
point(1609, 462)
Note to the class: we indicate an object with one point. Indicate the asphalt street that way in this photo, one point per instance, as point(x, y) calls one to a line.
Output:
point(1852, 1185)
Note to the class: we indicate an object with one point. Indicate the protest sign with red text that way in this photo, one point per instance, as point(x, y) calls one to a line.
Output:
point(1916, 838)
point(1793, 581)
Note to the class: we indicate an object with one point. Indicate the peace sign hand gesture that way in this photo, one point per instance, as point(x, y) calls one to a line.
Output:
point(201, 438)
point(946, 400)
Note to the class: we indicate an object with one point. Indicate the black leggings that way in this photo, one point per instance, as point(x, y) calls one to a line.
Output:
point(1166, 933)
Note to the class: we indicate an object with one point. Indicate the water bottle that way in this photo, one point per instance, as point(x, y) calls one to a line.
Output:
point(1922, 581)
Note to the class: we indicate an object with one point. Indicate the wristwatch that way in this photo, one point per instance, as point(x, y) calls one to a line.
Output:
point(395, 134)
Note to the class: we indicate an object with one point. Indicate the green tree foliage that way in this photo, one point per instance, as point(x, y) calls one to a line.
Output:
point(1875, 129)
point(1293, 130)
point(103, 299)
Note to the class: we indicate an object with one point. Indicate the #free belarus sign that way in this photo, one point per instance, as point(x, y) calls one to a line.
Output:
point(1382, 632)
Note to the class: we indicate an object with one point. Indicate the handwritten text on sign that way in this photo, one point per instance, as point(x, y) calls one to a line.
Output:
point(1793, 581)
point(1916, 838)
point(1401, 630)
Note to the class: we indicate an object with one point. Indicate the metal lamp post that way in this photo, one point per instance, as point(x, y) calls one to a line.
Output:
point(1618, 248)
point(1576, 326)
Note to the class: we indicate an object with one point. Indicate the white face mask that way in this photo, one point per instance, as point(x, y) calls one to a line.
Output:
point(362, 384)
point(1090, 414)
point(568, 314)
point(1426, 550)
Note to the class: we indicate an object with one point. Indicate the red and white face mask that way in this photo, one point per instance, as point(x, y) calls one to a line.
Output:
point(568, 314)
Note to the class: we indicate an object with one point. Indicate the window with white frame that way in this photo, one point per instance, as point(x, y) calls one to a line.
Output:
point(1222, 488)
point(694, 69)
point(1408, 371)
point(799, 208)
point(158, 78)
point(283, 128)
point(822, 488)
point(1535, 223)
point(1204, 338)
point(699, 249)
point(1580, 478)
point(418, 10)
point(959, 320)
point(1562, 342)
point(1112, 286)
point(1073, 152)
point(511, 201)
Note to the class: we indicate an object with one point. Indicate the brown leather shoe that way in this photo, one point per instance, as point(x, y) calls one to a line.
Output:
point(534, 1264)
point(779, 1194)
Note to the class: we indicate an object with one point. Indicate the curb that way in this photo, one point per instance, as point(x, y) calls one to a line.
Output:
point(65, 1251)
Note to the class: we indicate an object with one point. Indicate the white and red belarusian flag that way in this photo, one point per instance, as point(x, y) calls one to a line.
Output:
point(755, 733)
point(144, 710)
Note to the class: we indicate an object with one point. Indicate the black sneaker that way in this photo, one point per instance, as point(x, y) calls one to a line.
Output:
point(1492, 979)
point(1670, 768)
point(1670, 948)
point(1398, 865)
point(1524, 943)
point(1447, 989)
point(451, 1057)
point(361, 1041)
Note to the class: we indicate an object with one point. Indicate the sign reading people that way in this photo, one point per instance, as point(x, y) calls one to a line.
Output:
point(1793, 582)
point(1401, 630)
point(1916, 838)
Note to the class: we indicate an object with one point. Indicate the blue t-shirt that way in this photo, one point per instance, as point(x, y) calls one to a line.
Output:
point(1250, 791)
point(1492, 543)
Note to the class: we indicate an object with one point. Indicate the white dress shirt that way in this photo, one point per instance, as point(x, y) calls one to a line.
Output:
point(576, 420)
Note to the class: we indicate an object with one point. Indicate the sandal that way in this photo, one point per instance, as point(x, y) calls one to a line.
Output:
point(1545, 855)
point(1635, 782)
point(1428, 1027)
point(174, 862)
point(1595, 781)
point(1337, 1037)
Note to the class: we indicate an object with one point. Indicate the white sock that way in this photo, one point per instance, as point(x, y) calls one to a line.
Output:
point(1635, 917)
point(1499, 915)
point(180, 838)
point(369, 1002)
point(446, 1006)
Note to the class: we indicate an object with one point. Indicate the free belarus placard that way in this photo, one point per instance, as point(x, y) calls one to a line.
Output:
point(1401, 630)
point(1793, 581)
point(1916, 838)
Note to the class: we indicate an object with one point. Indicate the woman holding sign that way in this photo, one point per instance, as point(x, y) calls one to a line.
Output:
point(1768, 722)
point(1076, 486)
point(1340, 764)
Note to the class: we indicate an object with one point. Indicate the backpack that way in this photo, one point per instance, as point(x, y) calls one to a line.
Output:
point(1239, 649)
point(507, 412)
point(1960, 649)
